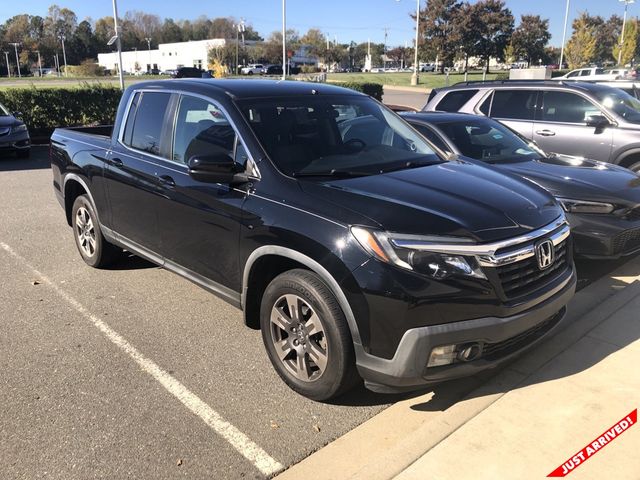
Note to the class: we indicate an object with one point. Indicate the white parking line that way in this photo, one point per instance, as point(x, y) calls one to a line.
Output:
point(243, 444)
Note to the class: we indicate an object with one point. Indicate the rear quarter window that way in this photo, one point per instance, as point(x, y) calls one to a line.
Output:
point(514, 104)
point(454, 101)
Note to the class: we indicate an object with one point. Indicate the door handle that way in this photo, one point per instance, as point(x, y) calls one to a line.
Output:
point(546, 133)
point(167, 181)
point(116, 162)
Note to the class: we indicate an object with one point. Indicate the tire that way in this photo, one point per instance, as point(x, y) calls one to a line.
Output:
point(250, 72)
point(93, 247)
point(319, 365)
point(635, 167)
point(23, 153)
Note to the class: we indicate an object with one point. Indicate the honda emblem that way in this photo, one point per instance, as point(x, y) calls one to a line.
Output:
point(545, 254)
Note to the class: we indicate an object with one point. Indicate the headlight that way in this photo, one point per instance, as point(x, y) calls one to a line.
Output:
point(584, 206)
point(19, 128)
point(434, 264)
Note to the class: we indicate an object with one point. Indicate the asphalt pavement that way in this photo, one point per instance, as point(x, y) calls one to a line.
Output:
point(136, 372)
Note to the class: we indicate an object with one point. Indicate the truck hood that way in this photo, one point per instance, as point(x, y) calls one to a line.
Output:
point(581, 179)
point(455, 198)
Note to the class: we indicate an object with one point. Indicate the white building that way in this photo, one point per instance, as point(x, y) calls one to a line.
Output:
point(168, 56)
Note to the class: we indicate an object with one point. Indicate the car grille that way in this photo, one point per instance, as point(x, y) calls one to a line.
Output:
point(626, 241)
point(494, 351)
point(524, 277)
point(4, 130)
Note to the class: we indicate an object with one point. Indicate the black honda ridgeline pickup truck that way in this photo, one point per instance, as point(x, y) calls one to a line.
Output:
point(359, 252)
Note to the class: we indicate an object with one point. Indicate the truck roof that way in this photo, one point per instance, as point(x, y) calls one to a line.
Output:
point(240, 88)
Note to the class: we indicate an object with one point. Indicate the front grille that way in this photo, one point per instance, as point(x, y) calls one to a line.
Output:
point(4, 130)
point(633, 215)
point(494, 351)
point(626, 241)
point(523, 277)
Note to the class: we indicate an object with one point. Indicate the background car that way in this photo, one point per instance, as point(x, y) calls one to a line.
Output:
point(14, 135)
point(592, 73)
point(187, 72)
point(602, 201)
point(572, 118)
point(273, 70)
point(253, 69)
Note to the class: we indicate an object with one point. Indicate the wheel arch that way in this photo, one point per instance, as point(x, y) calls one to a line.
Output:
point(73, 187)
point(285, 258)
point(628, 157)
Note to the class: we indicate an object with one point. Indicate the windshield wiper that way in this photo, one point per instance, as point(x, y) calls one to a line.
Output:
point(332, 173)
point(408, 165)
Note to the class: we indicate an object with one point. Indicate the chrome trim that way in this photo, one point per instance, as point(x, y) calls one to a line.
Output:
point(486, 253)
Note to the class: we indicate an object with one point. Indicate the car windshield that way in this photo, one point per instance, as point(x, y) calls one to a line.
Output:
point(622, 103)
point(3, 111)
point(335, 135)
point(487, 140)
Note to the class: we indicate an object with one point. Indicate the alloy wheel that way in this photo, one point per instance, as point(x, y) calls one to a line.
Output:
point(85, 232)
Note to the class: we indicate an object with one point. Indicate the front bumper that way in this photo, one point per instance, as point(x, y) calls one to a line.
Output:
point(604, 236)
point(15, 142)
point(507, 336)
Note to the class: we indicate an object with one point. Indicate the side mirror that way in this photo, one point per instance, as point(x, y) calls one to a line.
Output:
point(597, 121)
point(218, 168)
point(17, 114)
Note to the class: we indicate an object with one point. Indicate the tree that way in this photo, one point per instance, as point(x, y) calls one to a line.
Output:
point(493, 27)
point(581, 47)
point(170, 31)
point(464, 24)
point(630, 43)
point(530, 38)
point(437, 29)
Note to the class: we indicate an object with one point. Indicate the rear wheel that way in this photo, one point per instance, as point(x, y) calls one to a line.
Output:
point(307, 337)
point(93, 247)
point(635, 167)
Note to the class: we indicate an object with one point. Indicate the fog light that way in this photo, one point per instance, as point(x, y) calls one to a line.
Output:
point(469, 352)
point(442, 356)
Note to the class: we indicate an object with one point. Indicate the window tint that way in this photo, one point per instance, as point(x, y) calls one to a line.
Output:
point(574, 74)
point(201, 129)
point(128, 129)
point(585, 73)
point(566, 107)
point(432, 137)
point(454, 101)
point(486, 105)
point(516, 104)
point(149, 122)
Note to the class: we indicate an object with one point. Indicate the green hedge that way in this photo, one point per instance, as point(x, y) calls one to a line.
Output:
point(373, 89)
point(44, 109)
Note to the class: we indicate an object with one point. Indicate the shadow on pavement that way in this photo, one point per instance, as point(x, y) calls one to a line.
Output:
point(129, 261)
point(38, 160)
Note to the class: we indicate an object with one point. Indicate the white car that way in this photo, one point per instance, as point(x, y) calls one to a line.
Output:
point(253, 69)
point(593, 73)
point(427, 67)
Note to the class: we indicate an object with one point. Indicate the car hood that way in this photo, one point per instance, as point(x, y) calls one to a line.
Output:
point(7, 120)
point(455, 198)
point(579, 178)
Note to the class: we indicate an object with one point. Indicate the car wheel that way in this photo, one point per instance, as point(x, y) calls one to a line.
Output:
point(307, 337)
point(93, 247)
point(23, 153)
point(249, 72)
point(635, 167)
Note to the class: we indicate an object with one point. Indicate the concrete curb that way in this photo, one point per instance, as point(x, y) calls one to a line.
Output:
point(387, 444)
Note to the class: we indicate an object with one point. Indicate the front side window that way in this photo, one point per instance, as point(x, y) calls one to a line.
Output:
point(488, 140)
point(202, 129)
point(514, 104)
point(149, 127)
point(623, 104)
point(566, 107)
point(331, 135)
point(454, 101)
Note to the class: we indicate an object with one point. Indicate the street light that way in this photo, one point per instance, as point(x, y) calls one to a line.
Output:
point(239, 29)
point(64, 54)
point(15, 47)
point(624, 23)
point(148, 40)
point(415, 77)
point(6, 56)
point(116, 38)
point(284, 39)
point(564, 34)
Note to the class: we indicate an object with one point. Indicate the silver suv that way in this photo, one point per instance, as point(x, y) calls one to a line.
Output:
point(571, 118)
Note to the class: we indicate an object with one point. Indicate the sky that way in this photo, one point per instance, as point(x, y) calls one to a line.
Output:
point(346, 20)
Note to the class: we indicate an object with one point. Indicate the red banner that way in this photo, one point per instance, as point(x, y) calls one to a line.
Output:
point(599, 443)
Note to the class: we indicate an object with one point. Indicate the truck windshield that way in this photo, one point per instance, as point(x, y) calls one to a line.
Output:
point(335, 135)
point(622, 103)
point(488, 140)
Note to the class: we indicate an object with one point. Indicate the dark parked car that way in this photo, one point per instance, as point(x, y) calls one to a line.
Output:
point(14, 135)
point(273, 70)
point(572, 118)
point(358, 252)
point(602, 201)
point(188, 72)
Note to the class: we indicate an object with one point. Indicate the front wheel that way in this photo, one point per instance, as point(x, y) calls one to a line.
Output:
point(635, 167)
point(93, 247)
point(307, 337)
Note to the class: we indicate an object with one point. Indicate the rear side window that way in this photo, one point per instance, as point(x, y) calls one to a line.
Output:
point(515, 104)
point(149, 122)
point(454, 101)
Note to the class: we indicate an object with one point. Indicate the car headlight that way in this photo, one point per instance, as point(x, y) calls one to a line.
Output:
point(583, 206)
point(19, 128)
point(434, 264)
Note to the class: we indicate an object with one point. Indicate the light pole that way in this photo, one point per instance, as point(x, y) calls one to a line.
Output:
point(148, 40)
point(6, 56)
point(564, 34)
point(415, 76)
point(116, 38)
point(15, 47)
point(64, 54)
point(239, 29)
point(624, 23)
point(39, 63)
point(284, 39)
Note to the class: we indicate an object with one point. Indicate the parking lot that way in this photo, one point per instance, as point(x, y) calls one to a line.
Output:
point(134, 371)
